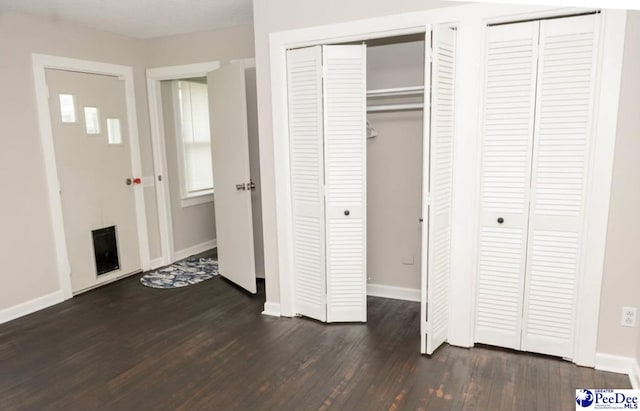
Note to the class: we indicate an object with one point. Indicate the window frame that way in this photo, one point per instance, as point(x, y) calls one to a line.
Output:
point(187, 198)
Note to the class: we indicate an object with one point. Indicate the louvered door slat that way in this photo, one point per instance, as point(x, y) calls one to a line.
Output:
point(508, 117)
point(304, 71)
point(562, 132)
point(345, 179)
point(440, 185)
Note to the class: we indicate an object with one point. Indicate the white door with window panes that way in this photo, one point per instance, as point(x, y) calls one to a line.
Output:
point(93, 157)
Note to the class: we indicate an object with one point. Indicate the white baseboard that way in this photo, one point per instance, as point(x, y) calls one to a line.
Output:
point(396, 293)
point(196, 249)
point(272, 309)
point(28, 307)
point(620, 365)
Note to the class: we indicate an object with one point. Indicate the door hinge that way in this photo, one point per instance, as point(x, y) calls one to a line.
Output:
point(159, 178)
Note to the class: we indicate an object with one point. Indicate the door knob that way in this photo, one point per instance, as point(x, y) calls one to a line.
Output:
point(346, 212)
point(500, 220)
point(251, 185)
point(241, 187)
point(128, 181)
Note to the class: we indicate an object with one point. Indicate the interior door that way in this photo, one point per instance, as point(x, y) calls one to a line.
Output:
point(327, 142)
point(345, 175)
point(440, 166)
point(507, 131)
point(306, 153)
point(231, 176)
point(566, 78)
point(93, 170)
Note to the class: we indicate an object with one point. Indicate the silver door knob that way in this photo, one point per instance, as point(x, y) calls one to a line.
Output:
point(241, 187)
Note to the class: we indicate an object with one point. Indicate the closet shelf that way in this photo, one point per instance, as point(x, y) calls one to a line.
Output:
point(396, 91)
point(395, 107)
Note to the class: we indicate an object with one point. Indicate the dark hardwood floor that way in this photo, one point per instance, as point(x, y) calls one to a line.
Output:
point(129, 347)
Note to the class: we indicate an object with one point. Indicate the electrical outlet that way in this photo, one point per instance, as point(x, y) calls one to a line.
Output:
point(629, 316)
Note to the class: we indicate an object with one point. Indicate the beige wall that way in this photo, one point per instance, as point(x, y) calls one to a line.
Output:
point(222, 45)
point(394, 169)
point(621, 283)
point(278, 15)
point(195, 224)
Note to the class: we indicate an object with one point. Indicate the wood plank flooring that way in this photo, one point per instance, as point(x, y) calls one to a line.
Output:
point(129, 347)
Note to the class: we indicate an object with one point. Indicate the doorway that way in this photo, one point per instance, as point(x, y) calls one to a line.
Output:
point(180, 97)
point(328, 129)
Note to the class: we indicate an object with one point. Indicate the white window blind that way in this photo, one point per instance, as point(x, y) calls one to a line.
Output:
point(194, 139)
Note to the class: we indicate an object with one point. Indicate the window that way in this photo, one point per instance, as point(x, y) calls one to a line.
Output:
point(67, 108)
point(114, 132)
point(194, 141)
point(92, 120)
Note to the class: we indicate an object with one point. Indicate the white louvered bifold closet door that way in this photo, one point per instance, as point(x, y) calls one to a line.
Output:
point(345, 179)
point(304, 81)
point(566, 78)
point(508, 118)
point(440, 185)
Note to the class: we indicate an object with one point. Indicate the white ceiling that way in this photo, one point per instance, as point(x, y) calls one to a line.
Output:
point(141, 18)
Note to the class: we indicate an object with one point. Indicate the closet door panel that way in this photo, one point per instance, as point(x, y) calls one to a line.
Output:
point(345, 180)
point(440, 185)
point(507, 130)
point(562, 132)
point(304, 78)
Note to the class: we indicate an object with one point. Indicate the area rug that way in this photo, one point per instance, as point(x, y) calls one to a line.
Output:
point(182, 273)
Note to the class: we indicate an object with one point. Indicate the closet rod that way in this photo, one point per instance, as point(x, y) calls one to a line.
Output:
point(396, 91)
point(395, 107)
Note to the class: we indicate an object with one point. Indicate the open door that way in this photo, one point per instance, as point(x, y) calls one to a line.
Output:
point(439, 124)
point(306, 147)
point(327, 141)
point(231, 176)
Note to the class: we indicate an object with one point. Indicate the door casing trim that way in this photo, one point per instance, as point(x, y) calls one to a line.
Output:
point(156, 118)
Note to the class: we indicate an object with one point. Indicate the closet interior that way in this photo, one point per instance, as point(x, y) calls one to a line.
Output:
point(395, 87)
